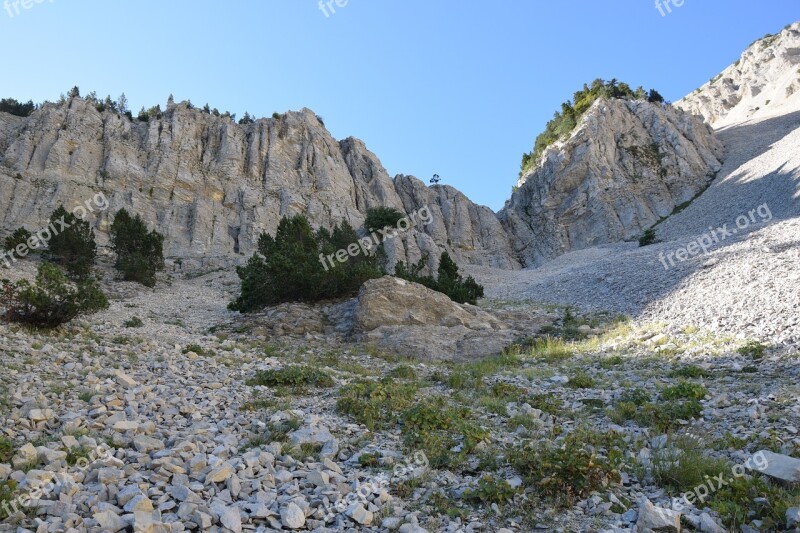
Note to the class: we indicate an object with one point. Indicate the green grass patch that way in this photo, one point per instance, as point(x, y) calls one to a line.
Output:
point(293, 377)
point(685, 391)
point(376, 404)
point(572, 467)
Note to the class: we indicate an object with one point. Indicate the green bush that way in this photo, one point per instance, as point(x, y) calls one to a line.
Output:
point(382, 217)
point(449, 281)
point(20, 236)
point(72, 243)
point(685, 391)
point(134, 322)
point(292, 376)
point(10, 105)
point(140, 253)
point(447, 434)
point(376, 404)
point(753, 349)
point(52, 300)
point(293, 266)
point(490, 490)
point(648, 237)
point(571, 468)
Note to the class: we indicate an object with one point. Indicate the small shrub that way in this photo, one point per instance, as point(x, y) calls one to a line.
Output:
point(648, 237)
point(507, 392)
point(581, 381)
point(403, 372)
point(685, 391)
point(684, 464)
point(572, 467)
point(292, 376)
point(376, 404)
point(547, 403)
point(491, 490)
point(445, 433)
point(745, 499)
point(664, 416)
point(753, 350)
point(52, 300)
point(19, 237)
point(379, 218)
point(134, 322)
point(196, 348)
point(73, 244)
point(637, 397)
point(369, 459)
point(610, 362)
point(139, 251)
point(690, 371)
point(6, 450)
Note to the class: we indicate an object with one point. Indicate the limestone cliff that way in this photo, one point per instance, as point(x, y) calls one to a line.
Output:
point(212, 186)
point(625, 166)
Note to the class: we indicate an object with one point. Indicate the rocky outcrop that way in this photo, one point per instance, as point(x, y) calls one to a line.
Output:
point(213, 186)
point(764, 81)
point(471, 232)
point(406, 318)
point(627, 165)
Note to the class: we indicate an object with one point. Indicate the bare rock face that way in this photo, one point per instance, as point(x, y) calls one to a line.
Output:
point(764, 81)
point(626, 165)
point(407, 318)
point(212, 186)
point(472, 232)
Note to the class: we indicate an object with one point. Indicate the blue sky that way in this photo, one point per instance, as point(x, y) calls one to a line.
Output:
point(456, 88)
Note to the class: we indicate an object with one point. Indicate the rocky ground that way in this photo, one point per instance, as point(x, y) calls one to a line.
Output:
point(195, 418)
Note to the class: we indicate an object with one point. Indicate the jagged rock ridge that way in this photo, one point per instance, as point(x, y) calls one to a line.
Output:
point(213, 186)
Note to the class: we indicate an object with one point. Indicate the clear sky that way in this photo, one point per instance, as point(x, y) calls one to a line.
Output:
point(451, 87)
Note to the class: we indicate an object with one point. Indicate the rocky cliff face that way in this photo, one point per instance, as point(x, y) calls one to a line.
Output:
point(765, 79)
point(626, 165)
point(213, 186)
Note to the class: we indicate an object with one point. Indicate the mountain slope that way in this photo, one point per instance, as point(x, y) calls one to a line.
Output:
point(627, 164)
point(764, 82)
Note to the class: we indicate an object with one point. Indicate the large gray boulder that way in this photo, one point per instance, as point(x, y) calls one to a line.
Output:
point(408, 319)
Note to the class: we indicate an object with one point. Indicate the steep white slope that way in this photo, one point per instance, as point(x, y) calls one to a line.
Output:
point(764, 82)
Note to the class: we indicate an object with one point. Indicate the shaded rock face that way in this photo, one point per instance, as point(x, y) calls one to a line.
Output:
point(212, 186)
point(765, 79)
point(626, 165)
point(408, 319)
